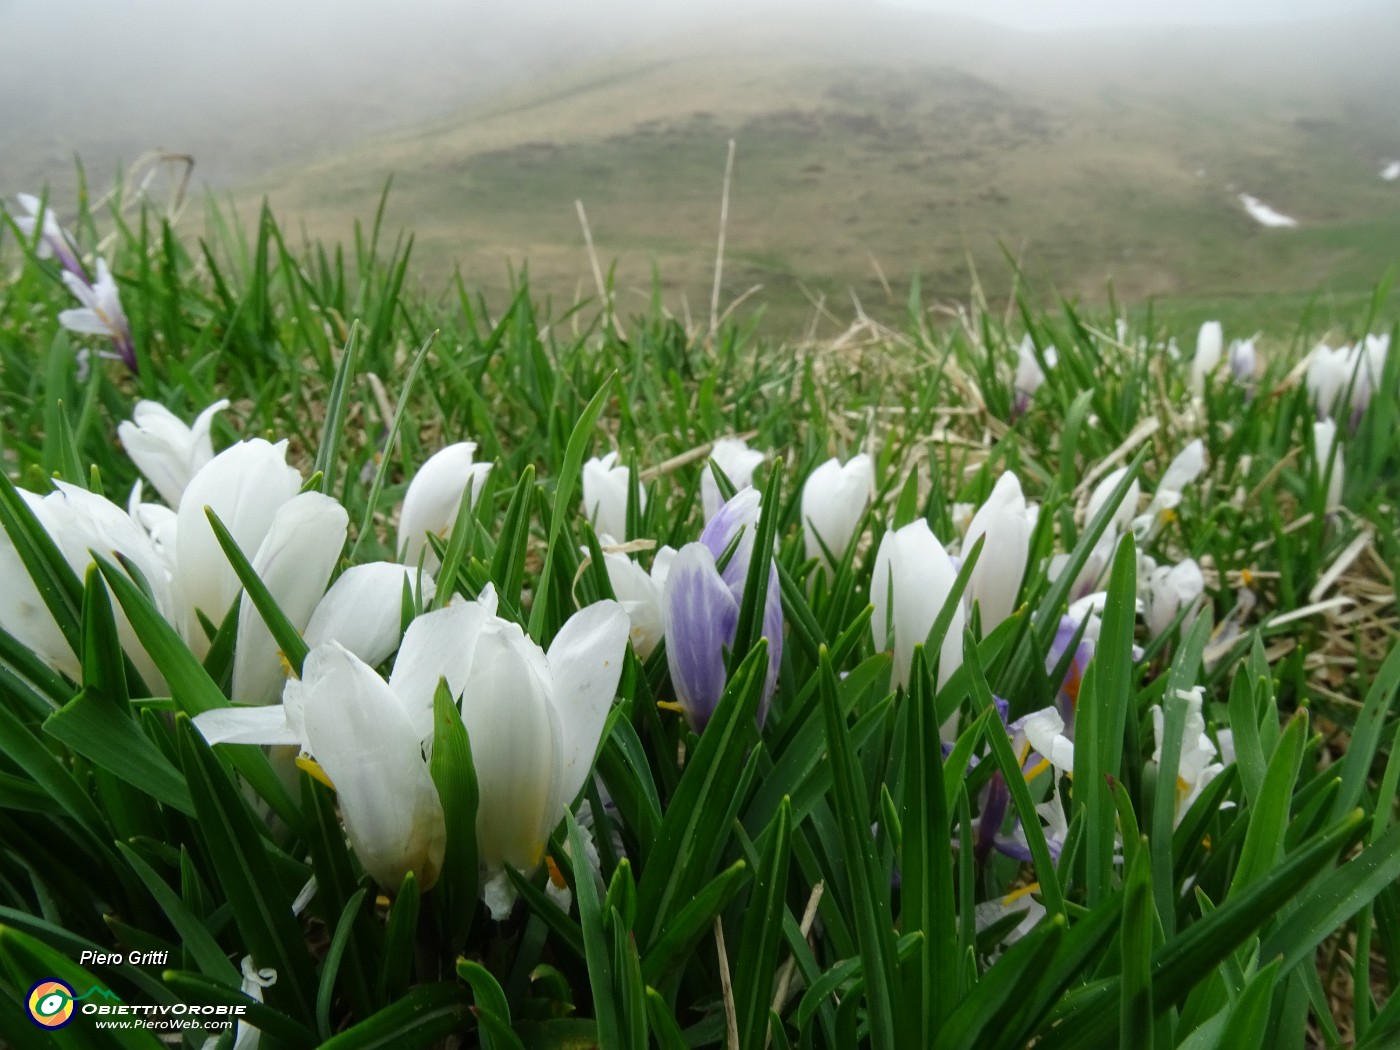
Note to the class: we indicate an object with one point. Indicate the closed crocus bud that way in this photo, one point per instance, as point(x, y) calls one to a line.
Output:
point(294, 561)
point(1006, 523)
point(1169, 590)
point(1210, 344)
point(1243, 360)
point(1328, 451)
point(834, 500)
point(1326, 378)
point(912, 581)
point(640, 594)
point(245, 485)
point(701, 606)
point(1029, 374)
point(434, 497)
point(164, 449)
point(605, 489)
point(737, 461)
point(363, 610)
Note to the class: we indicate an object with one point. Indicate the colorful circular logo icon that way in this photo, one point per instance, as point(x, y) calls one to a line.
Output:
point(51, 1004)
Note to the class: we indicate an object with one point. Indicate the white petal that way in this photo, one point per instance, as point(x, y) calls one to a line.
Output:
point(367, 745)
point(515, 739)
point(294, 561)
point(434, 497)
point(245, 485)
point(363, 609)
point(913, 578)
point(247, 725)
point(439, 644)
point(585, 661)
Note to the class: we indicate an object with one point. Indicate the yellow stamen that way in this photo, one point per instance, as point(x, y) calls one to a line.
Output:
point(1166, 516)
point(313, 767)
point(1015, 895)
point(1246, 577)
point(670, 705)
point(1039, 768)
point(1206, 842)
point(555, 875)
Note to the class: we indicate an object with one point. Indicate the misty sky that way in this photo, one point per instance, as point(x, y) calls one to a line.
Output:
point(1068, 14)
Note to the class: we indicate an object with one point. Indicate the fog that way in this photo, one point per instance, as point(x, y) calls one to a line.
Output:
point(247, 86)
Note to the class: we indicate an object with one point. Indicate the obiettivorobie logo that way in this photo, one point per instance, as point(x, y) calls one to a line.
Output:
point(51, 1002)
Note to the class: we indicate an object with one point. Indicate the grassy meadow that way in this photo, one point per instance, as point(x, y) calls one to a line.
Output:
point(964, 642)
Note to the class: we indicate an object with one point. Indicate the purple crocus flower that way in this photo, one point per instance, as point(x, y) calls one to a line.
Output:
point(701, 608)
point(1067, 689)
point(101, 313)
point(54, 241)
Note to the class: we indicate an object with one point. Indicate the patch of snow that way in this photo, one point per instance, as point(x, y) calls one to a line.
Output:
point(1263, 214)
point(1391, 171)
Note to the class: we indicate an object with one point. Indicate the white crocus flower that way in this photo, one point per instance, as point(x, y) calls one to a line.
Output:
point(1043, 732)
point(1006, 522)
point(80, 523)
point(912, 580)
point(1185, 469)
point(605, 489)
point(1210, 345)
point(434, 497)
point(1327, 378)
point(535, 721)
point(1342, 381)
point(834, 499)
point(737, 461)
point(164, 449)
point(640, 593)
point(363, 610)
point(369, 737)
point(294, 561)
point(1099, 558)
point(1196, 768)
point(1171, 588)
point(245, 485)
point(1328, 463)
